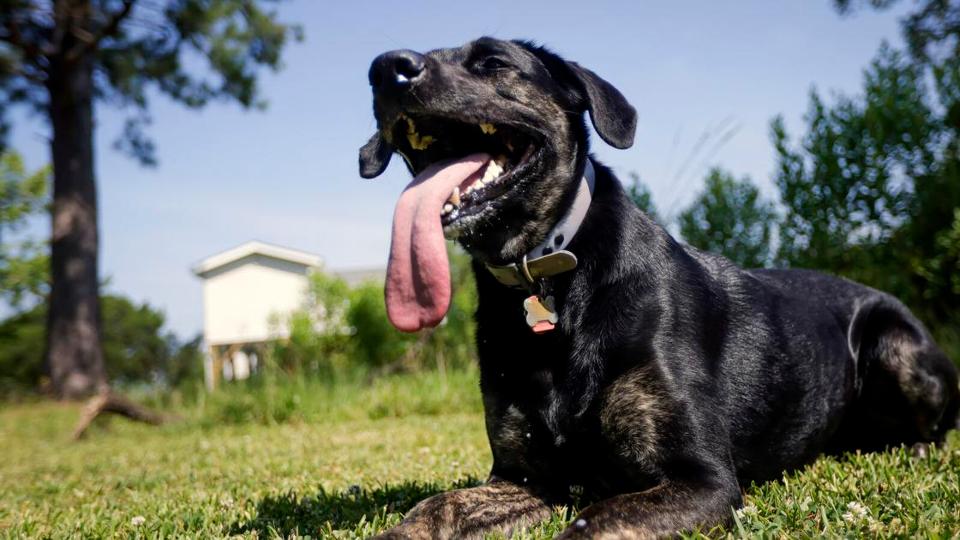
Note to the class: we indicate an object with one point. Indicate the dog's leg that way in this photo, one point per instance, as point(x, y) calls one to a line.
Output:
point(661, 511)
point(498, 506)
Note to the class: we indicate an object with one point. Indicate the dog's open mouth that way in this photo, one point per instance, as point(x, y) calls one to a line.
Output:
point(430, 140)
point(461, 171)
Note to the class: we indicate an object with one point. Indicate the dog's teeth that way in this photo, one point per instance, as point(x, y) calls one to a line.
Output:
point(417, 141)
point(491, 173)
point(488, 129)
point(455, 197)
point(447, 208)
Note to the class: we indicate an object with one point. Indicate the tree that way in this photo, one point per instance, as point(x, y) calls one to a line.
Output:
point(23, 271)
point(850, 184)
point(57, 58)
point(730, 218)
point(872, 190)
point(930, 32)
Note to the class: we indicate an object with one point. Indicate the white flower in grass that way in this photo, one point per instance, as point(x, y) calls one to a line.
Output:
point(747, 511)
point(138, 521)
point(856, 513)
point(858, 509)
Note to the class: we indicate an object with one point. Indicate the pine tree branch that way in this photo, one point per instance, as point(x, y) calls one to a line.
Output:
point(14, 36)
point(90, 42)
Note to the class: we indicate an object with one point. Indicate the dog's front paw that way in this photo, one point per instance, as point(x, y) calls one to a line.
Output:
point(595, 527)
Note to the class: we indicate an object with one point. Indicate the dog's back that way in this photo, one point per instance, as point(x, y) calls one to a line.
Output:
point(802, 329)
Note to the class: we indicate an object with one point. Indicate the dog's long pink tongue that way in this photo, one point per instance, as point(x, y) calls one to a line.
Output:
point(418, 274)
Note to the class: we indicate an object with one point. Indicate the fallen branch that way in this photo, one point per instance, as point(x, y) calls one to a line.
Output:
point(111, 402)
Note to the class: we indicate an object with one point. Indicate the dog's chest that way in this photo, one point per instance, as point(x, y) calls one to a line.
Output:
point(535, 437)
point(528, 439)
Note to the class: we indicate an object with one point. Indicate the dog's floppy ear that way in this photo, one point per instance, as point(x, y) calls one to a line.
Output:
point(613, 117)
point(375, 156)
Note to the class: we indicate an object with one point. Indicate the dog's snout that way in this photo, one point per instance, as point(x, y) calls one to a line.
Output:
point(397, 69)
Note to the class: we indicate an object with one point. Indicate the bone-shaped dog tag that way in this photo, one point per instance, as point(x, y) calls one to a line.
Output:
point(541, 314)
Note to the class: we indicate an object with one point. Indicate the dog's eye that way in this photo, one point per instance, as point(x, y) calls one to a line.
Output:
point(492, 63)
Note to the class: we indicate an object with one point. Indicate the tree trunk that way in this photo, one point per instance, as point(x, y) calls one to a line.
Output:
point(74, 357)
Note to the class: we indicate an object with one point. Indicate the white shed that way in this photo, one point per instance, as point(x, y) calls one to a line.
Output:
point(243, 289)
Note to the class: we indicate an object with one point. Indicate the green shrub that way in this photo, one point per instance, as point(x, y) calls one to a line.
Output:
point(374, 341)
point(343, 328)
point(137, 350)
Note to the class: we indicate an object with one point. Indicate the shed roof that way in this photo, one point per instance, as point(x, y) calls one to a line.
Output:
point(256, 248)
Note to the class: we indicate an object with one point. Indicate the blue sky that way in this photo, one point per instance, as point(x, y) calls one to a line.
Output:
point(288, 175)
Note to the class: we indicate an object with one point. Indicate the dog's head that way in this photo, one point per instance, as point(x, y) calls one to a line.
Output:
point(519, 105)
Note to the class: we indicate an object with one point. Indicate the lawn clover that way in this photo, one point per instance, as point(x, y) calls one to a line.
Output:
point(857, 513)
point(137, 521)
point(747, 511)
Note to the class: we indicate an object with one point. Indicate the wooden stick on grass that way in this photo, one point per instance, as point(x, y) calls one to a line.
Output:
point(111, 402)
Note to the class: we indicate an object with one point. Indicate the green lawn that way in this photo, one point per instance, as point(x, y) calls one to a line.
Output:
point(356, 475)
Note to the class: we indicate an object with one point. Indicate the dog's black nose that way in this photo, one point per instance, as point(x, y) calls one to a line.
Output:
point(396, 69)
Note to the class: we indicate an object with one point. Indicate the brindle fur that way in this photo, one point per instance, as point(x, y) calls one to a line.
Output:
point(674, 377)
point(496, 506)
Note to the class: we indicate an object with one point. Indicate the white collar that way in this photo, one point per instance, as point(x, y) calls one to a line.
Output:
point(550, 258)
point(565, 229)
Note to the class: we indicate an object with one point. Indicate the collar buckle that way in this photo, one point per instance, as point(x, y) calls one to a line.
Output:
point(526, 273)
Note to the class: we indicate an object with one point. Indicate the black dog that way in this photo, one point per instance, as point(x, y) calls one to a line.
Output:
point(670, 377)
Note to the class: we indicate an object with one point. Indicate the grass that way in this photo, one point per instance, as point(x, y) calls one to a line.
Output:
point(348, 462)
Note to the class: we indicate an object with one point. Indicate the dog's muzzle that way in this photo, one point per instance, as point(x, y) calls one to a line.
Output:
point(396, 71)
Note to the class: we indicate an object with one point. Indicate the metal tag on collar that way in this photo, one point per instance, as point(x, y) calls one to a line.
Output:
point(541, 313)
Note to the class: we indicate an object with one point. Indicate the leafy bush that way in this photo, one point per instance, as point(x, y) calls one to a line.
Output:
point(21, 348)
point(343, 328)
point(317, 337)
point(375, 341)
point(137, 350)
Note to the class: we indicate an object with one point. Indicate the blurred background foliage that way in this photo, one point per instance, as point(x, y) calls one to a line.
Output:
point(870, 190)
point(138, 351)
point(730, 217)
point(867, 188)
point(23, 261)
point(343, 328)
